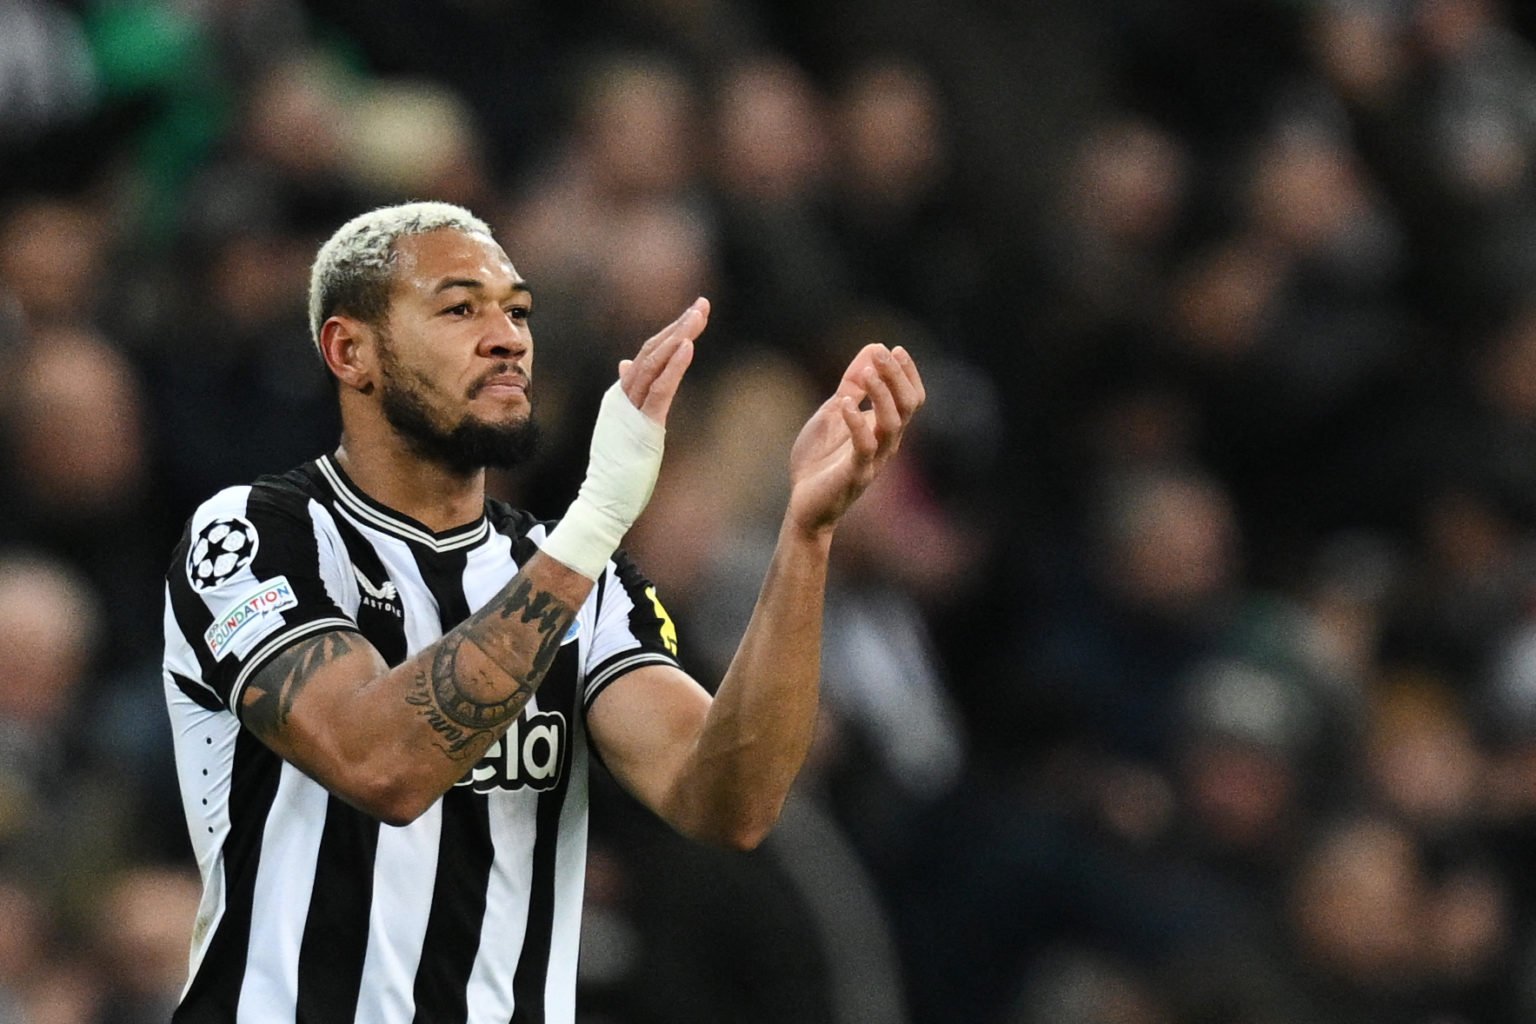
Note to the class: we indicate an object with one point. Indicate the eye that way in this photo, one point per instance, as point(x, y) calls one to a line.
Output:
point(458, 309)
point(519, 312)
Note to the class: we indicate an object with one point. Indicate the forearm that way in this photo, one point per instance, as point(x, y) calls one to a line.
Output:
point(391, 741)
point(473, 683)
point(759, 728)
point(467, 689)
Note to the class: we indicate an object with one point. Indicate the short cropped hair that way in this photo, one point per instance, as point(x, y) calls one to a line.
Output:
point(354, 269)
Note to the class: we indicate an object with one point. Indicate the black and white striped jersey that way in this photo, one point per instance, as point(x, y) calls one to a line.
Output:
point(312, 911)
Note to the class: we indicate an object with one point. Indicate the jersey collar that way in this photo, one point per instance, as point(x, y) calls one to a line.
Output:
point(369, 512)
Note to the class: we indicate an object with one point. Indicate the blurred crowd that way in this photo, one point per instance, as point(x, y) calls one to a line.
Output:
point(1181, 671)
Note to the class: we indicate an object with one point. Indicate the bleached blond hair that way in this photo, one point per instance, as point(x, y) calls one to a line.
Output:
point(354, 269)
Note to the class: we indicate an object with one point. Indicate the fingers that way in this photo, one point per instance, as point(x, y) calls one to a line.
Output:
point(895, 366)
point(650, 380)
point(888, 418)
point(889, 380)
point(669, 332)
point(658, 399)
point(860, 431)
point(853, 383)
point(637, 375)
point(909, 371)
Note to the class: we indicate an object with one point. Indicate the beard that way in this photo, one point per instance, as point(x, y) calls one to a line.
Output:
point(468, 446)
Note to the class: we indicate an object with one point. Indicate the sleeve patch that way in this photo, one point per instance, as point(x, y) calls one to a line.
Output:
point(250, 617)
point(668, 627)
point(221, 548)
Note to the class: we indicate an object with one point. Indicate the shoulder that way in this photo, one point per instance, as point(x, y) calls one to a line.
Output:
point(238, 519)
point(526, 530)
point(512, 521)
point(286, 492)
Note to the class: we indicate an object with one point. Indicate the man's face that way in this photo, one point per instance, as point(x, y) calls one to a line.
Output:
point(456, 353)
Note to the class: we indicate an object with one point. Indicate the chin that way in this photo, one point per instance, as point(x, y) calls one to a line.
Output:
point(500, 410)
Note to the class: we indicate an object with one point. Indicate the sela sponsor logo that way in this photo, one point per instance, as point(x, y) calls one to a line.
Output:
point(246, 616)
point(384, 597)
point(527, 757)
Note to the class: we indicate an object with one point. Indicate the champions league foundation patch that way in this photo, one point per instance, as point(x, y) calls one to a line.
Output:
point(249, 618)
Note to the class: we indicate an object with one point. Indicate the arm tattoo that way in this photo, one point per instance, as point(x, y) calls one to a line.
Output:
point(461, 690)
point(269, 697)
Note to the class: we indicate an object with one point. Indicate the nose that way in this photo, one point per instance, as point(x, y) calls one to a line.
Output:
point(506, 337)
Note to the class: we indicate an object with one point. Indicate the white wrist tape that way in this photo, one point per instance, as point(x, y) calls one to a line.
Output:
point(621, 473)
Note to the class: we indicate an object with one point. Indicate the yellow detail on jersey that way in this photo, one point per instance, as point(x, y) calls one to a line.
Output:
point(668, 629)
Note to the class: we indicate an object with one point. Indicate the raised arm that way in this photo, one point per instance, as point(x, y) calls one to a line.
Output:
point(721, 769)
point(390, 741)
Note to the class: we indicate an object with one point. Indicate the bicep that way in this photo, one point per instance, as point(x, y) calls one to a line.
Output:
point(646, 725)
point(294, 702)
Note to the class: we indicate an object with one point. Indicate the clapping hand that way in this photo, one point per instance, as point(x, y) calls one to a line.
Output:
point(843, 446)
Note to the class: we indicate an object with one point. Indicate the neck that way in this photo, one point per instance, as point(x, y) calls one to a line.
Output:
point(387, 471)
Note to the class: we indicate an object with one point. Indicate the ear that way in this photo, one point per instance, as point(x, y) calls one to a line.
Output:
point(350, 349)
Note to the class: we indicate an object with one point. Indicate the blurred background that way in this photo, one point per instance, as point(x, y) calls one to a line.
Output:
point(1182, 669)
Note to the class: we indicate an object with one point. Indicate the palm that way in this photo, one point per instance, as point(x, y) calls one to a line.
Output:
point(825, 473)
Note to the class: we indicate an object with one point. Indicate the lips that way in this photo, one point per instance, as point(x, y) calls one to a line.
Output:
point(500, 381)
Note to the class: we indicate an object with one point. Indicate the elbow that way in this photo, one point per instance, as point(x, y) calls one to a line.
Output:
point(738, 833)
point(397, 815)
point(391, 801)
point(386, 781)
point(745, 839)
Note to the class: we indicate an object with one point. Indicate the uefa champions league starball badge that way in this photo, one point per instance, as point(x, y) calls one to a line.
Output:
point(222, 548)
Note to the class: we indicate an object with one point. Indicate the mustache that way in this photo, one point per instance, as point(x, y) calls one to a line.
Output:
point(502, 371)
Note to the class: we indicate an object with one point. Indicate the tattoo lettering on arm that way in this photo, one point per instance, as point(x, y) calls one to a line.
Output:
point(444, 690)
point(461, 691)
point(268, 698)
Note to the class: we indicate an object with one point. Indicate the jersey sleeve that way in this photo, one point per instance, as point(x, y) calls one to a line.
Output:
point(253, 574)
point(632, 628)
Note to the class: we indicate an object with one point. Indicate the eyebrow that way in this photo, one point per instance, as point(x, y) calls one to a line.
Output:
point(475, 284)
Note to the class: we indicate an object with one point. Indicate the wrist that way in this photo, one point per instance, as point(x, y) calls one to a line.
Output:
point(621, 472)
point(816, 536)
point(584, 539)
